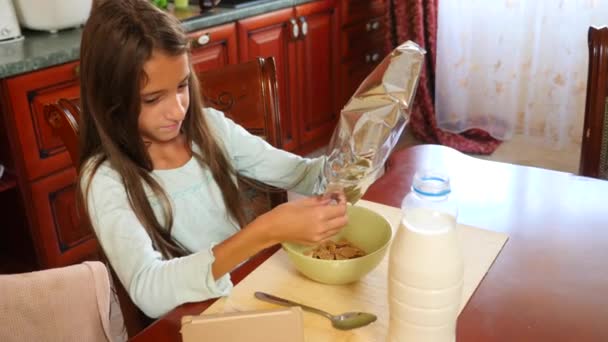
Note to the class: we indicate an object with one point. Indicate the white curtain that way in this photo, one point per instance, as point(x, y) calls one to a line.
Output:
point(515, 66)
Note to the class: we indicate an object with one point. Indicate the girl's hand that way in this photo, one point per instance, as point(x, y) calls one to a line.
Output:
point(306, 221)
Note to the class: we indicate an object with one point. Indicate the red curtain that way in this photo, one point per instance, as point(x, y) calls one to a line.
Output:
point(416, 20)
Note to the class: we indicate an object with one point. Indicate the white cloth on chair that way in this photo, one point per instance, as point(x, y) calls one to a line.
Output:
point(62, 304)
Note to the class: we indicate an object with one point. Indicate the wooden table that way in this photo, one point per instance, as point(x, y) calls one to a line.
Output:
point(550, 281)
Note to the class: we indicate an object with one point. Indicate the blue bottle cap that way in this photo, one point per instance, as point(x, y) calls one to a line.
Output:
point(431, 183)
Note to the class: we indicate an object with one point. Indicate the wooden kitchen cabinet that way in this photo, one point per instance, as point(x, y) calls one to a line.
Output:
point(274, 35)
point(357, 11)
point(362, 42)
point(214, 47)
point(42, 152)
point(303, 42)
point(317, 75)
point(351, 75)
point(42, 167)
point(61, 237)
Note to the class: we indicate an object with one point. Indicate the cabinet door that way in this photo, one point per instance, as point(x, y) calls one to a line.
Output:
point(41, 150)
point(272, 35)
point(357, 68)
point(214, 47)
point(363, 37)
point(353, 11)
point(352, 75)
point(60, 236)
point(318, 66)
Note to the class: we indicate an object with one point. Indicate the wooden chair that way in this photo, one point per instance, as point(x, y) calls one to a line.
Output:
point(248, 94)
point(62, 117)
point(594, 149)
point(245, 92)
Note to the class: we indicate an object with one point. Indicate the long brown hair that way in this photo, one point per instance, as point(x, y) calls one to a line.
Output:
point(118, 38)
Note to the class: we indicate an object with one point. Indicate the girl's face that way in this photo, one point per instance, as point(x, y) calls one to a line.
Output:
point(164, 97)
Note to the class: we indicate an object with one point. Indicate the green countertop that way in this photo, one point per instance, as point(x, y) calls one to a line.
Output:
point(42, 49)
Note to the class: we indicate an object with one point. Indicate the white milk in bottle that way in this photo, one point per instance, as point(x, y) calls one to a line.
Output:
point(425, 265)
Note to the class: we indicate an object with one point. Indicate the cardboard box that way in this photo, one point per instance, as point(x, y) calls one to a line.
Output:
point(277, 325)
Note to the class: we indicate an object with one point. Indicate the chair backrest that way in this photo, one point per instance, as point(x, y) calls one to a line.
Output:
point(60, 304)
point(63, 117)
point(247, 93)
point(594, 149)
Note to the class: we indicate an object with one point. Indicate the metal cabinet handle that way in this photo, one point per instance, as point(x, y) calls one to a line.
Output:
point(304, 26)
point(295, 29)
point(372, 57)
point(372, 25)
point(203, 39)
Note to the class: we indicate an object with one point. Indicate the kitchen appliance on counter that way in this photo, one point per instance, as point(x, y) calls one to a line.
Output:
point(9, 25)
point(206, 5)
point(52, 15)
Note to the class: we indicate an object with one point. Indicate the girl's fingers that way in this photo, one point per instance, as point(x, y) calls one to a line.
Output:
point(334, 211)
point(336, 223)
point(338, 197)
point(312, 201)
point(329, 234)
point(341, 198)
point(333, 227)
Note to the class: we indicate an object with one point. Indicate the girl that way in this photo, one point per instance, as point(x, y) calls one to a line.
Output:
point(158, 170)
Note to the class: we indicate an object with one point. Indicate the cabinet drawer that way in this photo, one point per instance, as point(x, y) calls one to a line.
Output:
point(352, 74)
point(42, 151)
point(214, 47)
point(368, 56)
point(362, 37)
point(353, 11)
point(61, 238)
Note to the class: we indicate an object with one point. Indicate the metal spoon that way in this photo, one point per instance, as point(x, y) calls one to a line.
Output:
point(345, 321)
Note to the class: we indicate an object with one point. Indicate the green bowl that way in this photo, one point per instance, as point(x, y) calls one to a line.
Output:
point(366, 230)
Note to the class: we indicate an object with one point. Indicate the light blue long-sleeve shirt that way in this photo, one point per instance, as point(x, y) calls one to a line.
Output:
point(201, 220)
